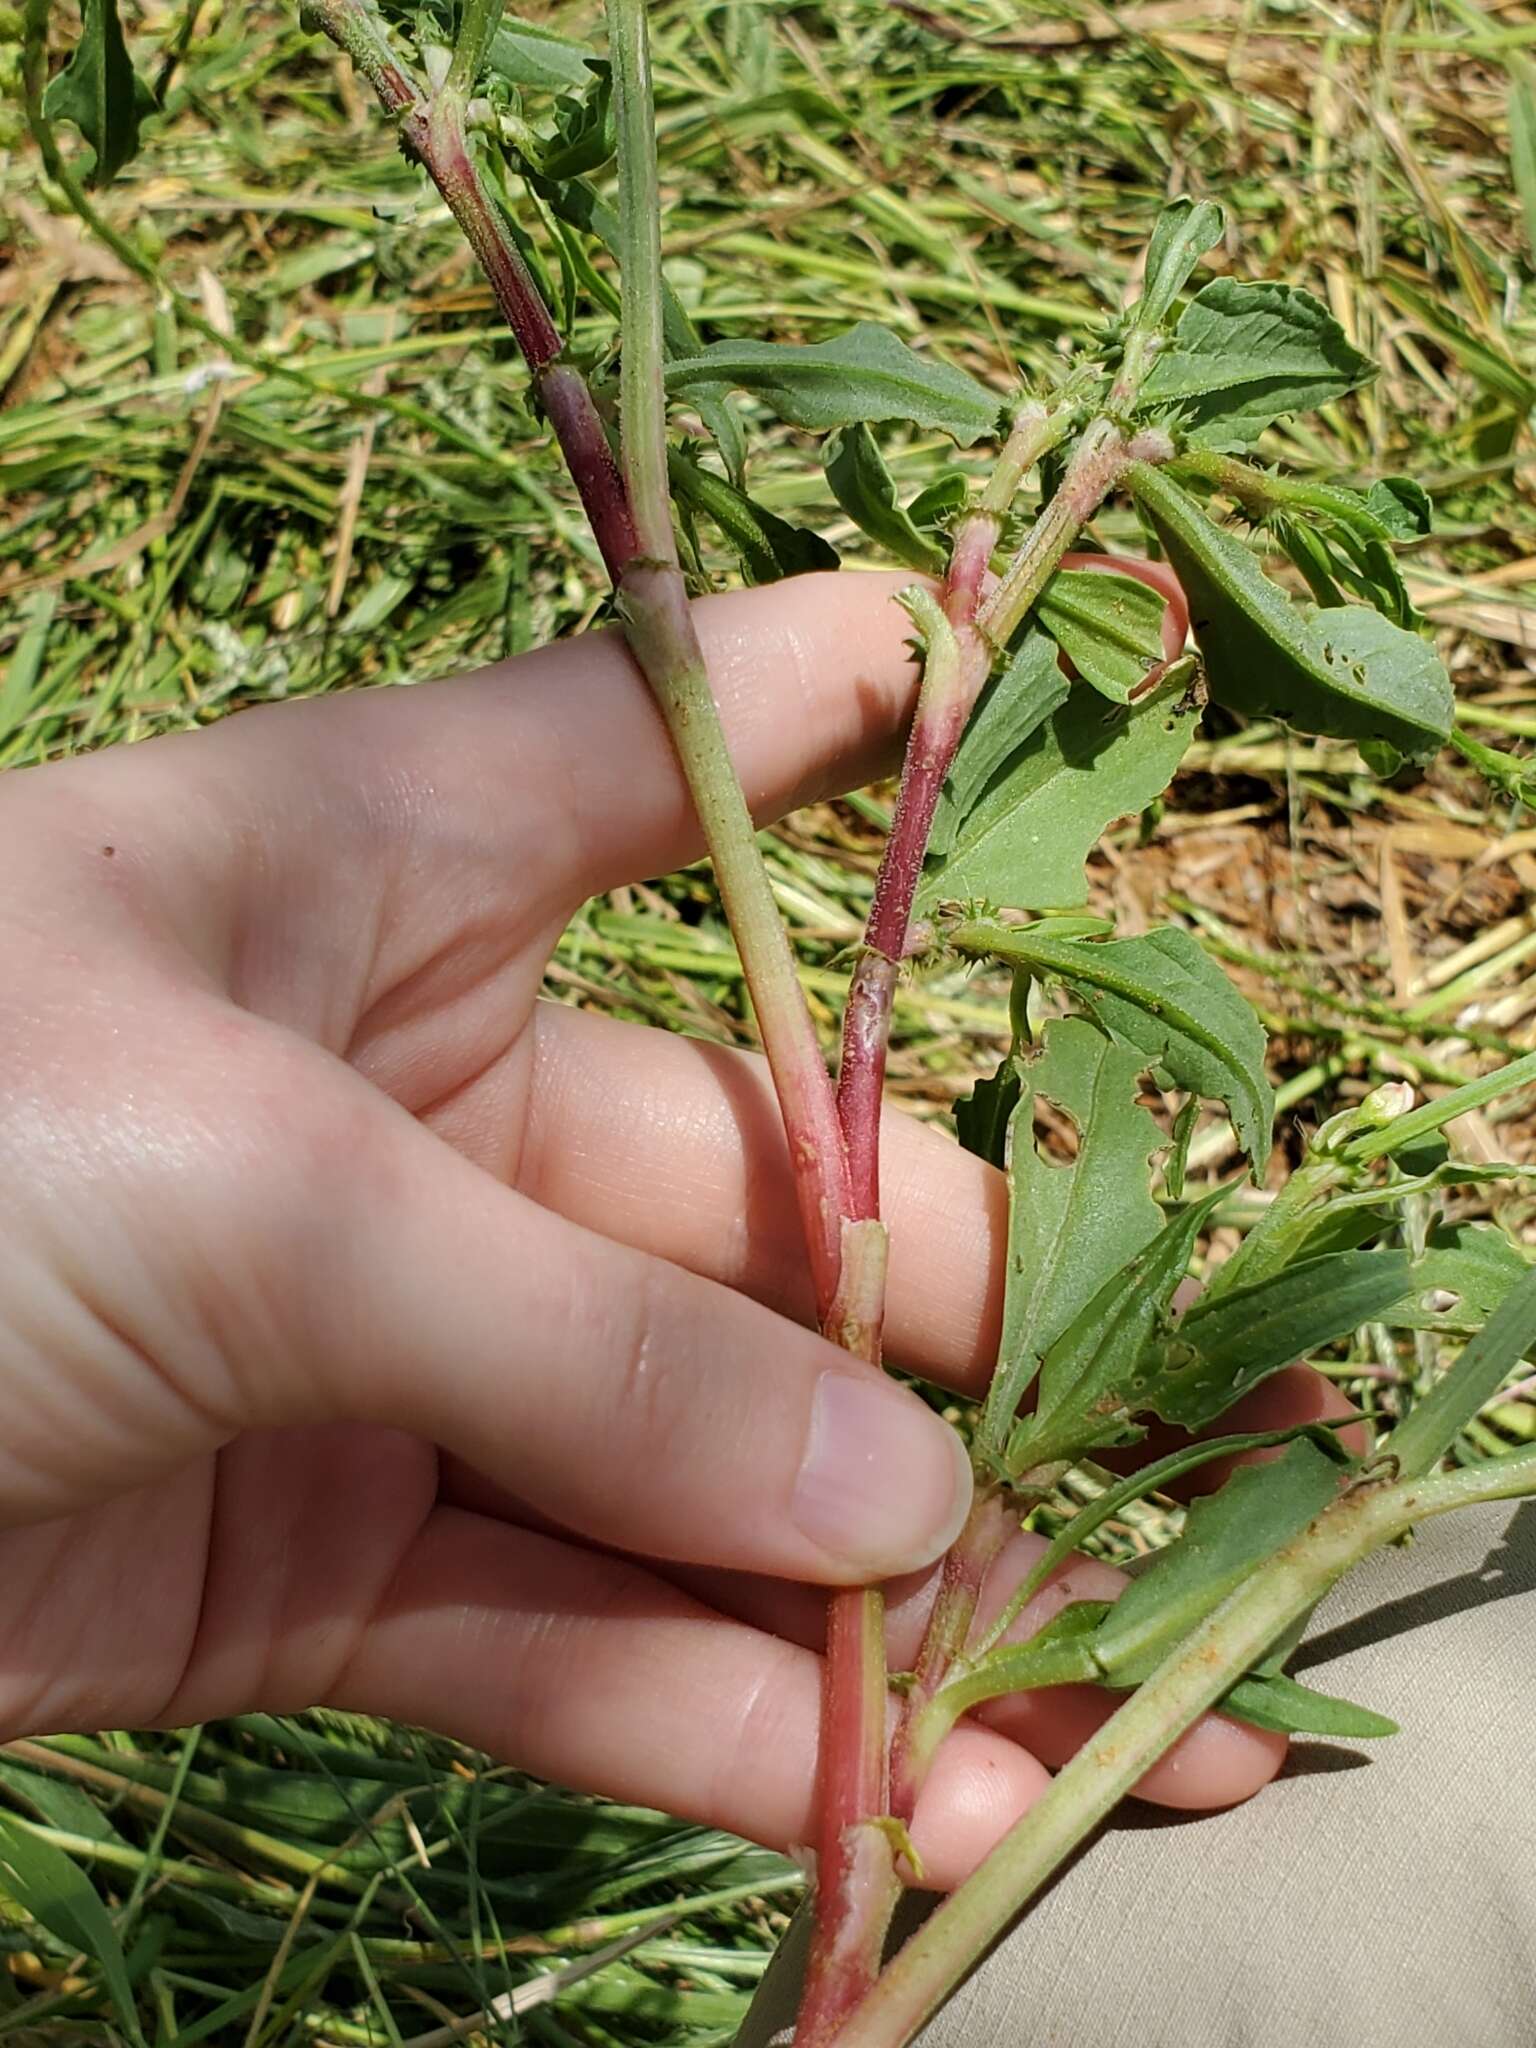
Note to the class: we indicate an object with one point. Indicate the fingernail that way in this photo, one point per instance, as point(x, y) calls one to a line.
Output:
point(885, 1486)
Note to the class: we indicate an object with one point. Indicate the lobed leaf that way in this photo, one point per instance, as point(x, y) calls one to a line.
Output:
point(1021, 837)
point(1244, 355)
point(1071, 1227)
point(867, 374)
point(1348, 672)
point(1109, 627)
point(100, 92)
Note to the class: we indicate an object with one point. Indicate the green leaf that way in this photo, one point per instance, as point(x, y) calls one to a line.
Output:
point(1282, 1704)
point(1184, 232)
point(1226, 1535)
point(1014, 705)
point(1024, 838)
point(1163, 994)
point(866, 490)
point(1222, 1350)
point(1422, 1440)
point(1073, 1226)
point(1476, 1262)
point(1244, 355)
point(982, 1117)
point(1095, 1377)
point(585, 137)
point(59, 1896)
point(537, 59)
point(1347, 672)
point(1109, 627)
point(1401, 506)
point(865, 374)
point(1157, 1478)
point(937, 505)
point(1060, 1653)
point(100, 91)
point(1522, 151)
point(769, 547)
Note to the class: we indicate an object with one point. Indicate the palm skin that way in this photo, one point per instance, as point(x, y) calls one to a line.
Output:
point(366, 1320)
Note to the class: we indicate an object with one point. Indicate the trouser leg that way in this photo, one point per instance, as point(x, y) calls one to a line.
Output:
point(1373, 1896)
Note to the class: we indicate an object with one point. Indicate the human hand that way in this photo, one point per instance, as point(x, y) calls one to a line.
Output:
point(359, 1309)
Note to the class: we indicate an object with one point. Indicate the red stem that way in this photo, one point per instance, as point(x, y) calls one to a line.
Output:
point(949, 1626)
point(856, 1882)
point(935, 734)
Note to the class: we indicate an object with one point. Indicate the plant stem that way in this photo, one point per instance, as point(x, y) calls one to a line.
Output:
point(1187, 1682)
point(478, 23)
point(958, 659)
point(856, 1882)
point(432, 132)
point(944, 1640)
point(660, 629)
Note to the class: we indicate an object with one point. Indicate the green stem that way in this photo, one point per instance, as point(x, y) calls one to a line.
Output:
point(653, 603)
point(1109, 1766)
point(1503, 1478)
point(478, 23)
point(1433, 1116)
point(642, 394)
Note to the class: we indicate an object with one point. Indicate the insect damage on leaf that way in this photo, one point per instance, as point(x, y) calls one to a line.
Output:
point(1345, 671)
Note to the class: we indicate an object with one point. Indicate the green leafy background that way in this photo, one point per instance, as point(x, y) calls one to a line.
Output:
point(982, 185)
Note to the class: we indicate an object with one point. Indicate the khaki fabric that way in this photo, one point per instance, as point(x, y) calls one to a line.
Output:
point(1372, 1896)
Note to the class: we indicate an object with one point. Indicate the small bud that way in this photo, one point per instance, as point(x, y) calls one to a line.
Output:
point(438, 60)
point(1383, 1106)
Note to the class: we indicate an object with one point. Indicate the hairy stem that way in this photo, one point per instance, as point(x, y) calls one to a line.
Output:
point(958, 659)
point(856, 1882)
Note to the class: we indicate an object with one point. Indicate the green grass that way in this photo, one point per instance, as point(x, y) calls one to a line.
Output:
point(373, 503)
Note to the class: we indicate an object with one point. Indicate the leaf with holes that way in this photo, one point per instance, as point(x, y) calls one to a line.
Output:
point(1345, 671)
point(1223, 1349)
point(1072, 1225)
point(1094, 1379)
point(1163, 994)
